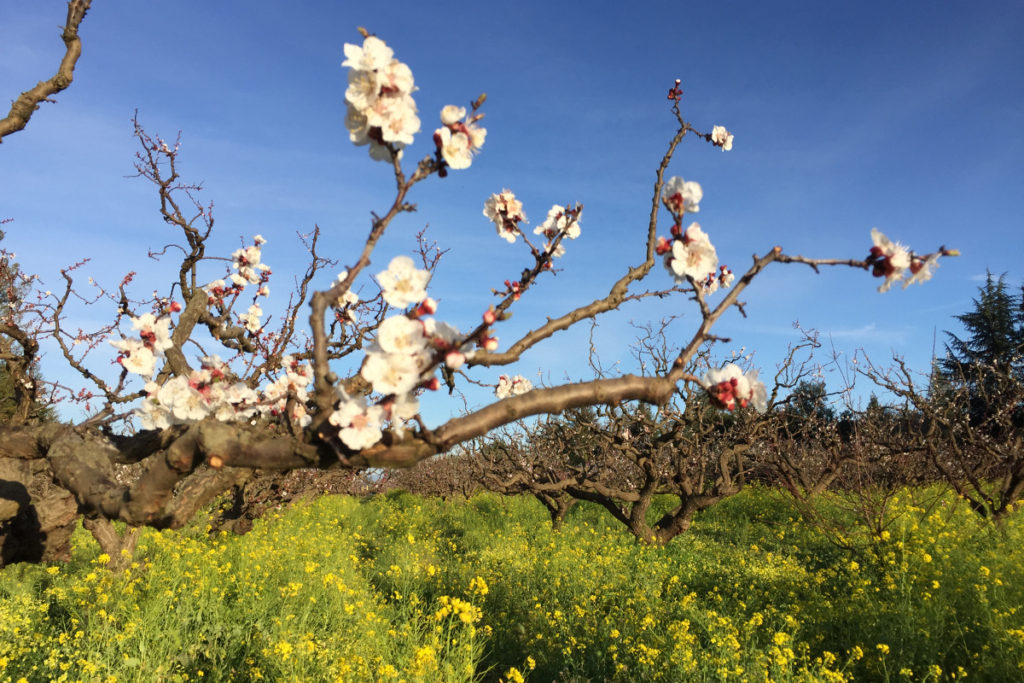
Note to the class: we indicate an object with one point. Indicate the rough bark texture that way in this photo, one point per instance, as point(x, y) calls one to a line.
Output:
point(36, 516)
point(27, 103)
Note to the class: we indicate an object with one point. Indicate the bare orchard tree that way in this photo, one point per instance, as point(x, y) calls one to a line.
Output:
point(624, 456)
point(209, 387)
point(526, 460)
point(448, 476)
point(979, 453)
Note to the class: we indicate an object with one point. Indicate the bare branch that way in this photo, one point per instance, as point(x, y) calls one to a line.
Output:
point(27, 103)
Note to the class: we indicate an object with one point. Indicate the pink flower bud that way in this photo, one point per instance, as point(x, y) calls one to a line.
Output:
point(454, 359)
point(427, 307)
point(489, 316)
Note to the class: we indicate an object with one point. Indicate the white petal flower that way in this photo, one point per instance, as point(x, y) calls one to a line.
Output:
point(374, 54)
point(889, 259)
point(722, 138)
point(512, 386)
point(396, 118)
point(251, 319)
point(758, 391)
point(155, 333)
point(135, 356)
point(380, 109)
point(455, 148)
point(360, 425)
point(452, 114)
point(363, 89)
point(399, 334)
point(396, 78)
point(402, 283)
point(729, 386)
point(559, 220)
point(921, 269)
point(185, 401)
point(391, 373)
point(505, 211)
point(405, 407)
point(692, 256)
point(682, 196)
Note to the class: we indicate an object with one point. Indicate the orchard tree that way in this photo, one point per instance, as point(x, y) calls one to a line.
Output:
point(623, 457)
point(210, 388)
point(968, 418)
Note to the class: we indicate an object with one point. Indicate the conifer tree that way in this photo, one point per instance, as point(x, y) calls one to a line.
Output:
point(992, 351)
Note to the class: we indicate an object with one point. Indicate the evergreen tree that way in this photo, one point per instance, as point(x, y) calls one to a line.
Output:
point(992, 351)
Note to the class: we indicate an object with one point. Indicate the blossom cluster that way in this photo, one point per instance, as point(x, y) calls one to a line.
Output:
point(381, 110)
point(720, 137)
point(507, 213)
point(347, 301)
point(402, 283)
point(681, 196)
point(512, 386)
point(401, 359)
point(210, 391)
point(712, 281)
point(139, 355)
point(248, 270)
point(894, 261)
point(729, 386)
point(689, 254)
point(459, 137)
point(247, 264)
point(561, 221)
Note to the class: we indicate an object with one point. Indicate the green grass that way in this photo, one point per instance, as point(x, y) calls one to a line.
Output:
point(402, 588)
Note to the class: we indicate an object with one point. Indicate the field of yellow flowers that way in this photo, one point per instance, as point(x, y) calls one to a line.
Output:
point(404, 588)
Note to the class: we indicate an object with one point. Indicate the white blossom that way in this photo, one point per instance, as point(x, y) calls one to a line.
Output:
point(399, 334)
point(505, 211)
point(405, 407)
point(558, 221)
point(155, 332)
point(721, 138)
point(360, 425)
point(692, 256)
point(458, 140)
point(136, 357)
point(251, 319)
point(682, 196)
point(512, 386)
point(890, 259)
point(921, 269)
point(372, 55)
point(456, 148)
point(380, 108)
point(402, 283)
point(728, 387)
point(391, 373)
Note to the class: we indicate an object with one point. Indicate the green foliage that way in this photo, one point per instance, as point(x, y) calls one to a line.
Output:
point(810, 400)
point(991, 352)
point(401, 587)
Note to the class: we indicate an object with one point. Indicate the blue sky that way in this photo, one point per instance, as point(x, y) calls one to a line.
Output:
point(903, 116)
